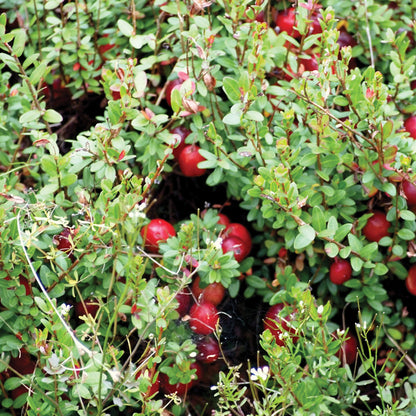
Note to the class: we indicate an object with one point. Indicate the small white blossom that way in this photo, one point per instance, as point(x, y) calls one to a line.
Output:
point(217, 243)
point(64, 309)
point(137, 211)
point(193, 354)
point(320, 309)
point(357, 325)
point(214, 388)
point(214, 244)
point(259, 373)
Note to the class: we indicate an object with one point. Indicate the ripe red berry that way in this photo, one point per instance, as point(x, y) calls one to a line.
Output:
point(236, 229)
point(175, 84)
point(213, 293)
point(156, 232)
point(410, 126)
point(154, 386)
point(87, 307)
point(188, 160)
point(377, 227)
point(348, 351)
point(203, 318)
point(170, 86)
point(340, 271)
point(409, 190)
point(411, 280)
point(180, 388)
point(345, 39)
point(286, 22)
point(183, 133)
point(224, 220)
point(208, 350)
point(282, 253)
point(23, 363)
point(184, 300)
point(278, 325)
point(64, 240)
point(237, 245)
point(238, 239)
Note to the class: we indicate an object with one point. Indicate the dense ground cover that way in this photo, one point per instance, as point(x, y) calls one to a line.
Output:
point(207, 207)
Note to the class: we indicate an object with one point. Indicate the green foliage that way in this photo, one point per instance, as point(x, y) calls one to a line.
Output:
point(303, 154)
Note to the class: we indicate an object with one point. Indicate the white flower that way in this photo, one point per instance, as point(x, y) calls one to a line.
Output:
point(137, 211)
point(65, 309)
point(259, 373)
point(214, 244)
point(217, 243)
point(193, 354)
point(320, 309)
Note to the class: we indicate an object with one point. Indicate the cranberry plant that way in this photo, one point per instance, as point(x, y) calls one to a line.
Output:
point(207, 207)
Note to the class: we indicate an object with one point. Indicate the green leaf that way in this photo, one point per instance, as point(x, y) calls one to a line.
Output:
point(232, 119)
point(140, 83)
point(355, 243)
point(232, 89)
point(308, 160)
point(329, 161)
point(39, 72)
point(342, 231)
point(407, 215)
point(52, 116)
point(406, 234)
point(52, 4)
point(176, 100)
point(30, 60)
point(19, 41)
point(331, 250)
point(368, 250)
point(30, 116)
point(353, 284)
point(340, 100)
point(395, 333)
point(387, 129)
point(48, 165)
point(381, 269)
point(68, 179)
point(389, 188)
point(318, 219)
point(256, 282)
point(215, 177)
point(9, 61)
point(356, 263)
point(305, 237)
point(345, 252)
point(125, 28)
point(254, 115)
point(398, 269)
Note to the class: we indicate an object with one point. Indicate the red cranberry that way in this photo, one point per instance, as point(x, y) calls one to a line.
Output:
point(213, 293)
point(203, 318)
point(410, 126)
point(409, 190)
point(208, 350)
point(188, 160)
point(377, 227)
point(278, 325)
point(340, 271)
point(156, 232)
